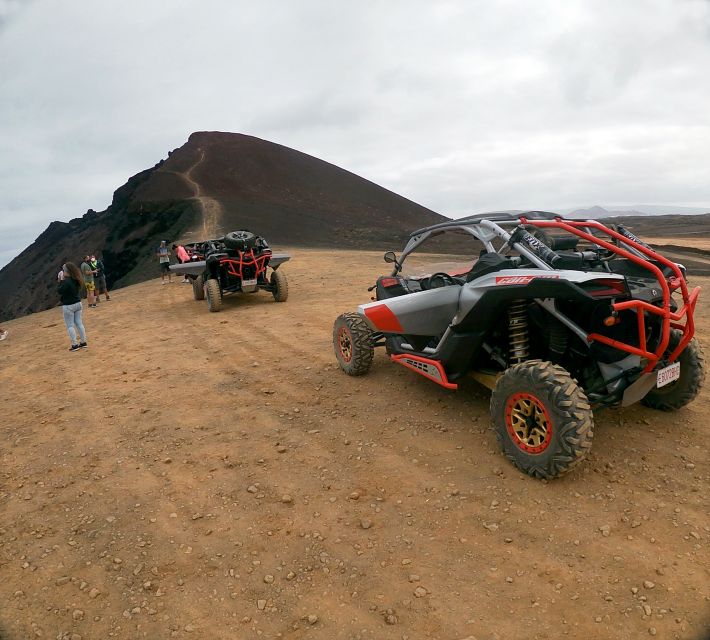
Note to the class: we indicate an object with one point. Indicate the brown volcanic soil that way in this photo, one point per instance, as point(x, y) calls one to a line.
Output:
point(197, 475)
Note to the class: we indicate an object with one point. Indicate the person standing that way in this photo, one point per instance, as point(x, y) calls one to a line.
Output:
point(163, 254)
point(182, 258)
point(100, 278)
point(70, 296)
point(88, 274)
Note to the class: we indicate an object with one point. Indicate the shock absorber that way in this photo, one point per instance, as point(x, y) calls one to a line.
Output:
point(558, 340)
point(518, 331)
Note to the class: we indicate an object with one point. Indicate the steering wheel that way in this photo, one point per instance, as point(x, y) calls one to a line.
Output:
point(439, 279)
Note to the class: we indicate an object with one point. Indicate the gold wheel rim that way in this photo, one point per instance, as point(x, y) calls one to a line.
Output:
point(528, 423)
point(345, 343)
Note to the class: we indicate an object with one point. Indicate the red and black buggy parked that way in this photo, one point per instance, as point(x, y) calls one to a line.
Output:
point(236, 263)
point(557, 317)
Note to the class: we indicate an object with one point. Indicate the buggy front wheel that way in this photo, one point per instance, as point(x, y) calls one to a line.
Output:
point(353, 344)
point(279, 285)
point(542, 419)
point(214, 295)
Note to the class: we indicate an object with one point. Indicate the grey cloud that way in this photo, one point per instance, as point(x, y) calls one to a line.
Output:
point(460, 105)
point(10, 9)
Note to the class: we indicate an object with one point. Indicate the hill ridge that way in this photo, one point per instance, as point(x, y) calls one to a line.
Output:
point(215, 182)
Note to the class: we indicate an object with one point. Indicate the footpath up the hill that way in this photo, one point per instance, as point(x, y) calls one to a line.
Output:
point(197, 475)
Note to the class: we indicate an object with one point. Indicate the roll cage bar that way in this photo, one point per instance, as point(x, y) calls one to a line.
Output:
point(487, 227)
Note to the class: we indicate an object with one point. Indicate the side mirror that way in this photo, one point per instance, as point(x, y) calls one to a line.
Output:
point(390, 256)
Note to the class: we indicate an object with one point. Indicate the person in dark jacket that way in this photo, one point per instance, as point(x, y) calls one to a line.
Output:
point(70, 295)
point(99, 278)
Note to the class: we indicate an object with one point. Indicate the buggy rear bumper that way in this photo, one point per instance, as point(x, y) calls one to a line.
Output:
point(198, 267)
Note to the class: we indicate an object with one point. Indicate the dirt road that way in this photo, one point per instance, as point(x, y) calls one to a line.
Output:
point(197, 475)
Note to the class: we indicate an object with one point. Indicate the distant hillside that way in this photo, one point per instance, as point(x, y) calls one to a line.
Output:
point(610, 211)
point(215, 182)
point(596, 213)
point(665, 225)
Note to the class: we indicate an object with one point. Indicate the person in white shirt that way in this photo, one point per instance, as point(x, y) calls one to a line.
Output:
point(163, 255)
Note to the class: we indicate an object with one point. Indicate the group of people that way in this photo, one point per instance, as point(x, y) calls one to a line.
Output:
point(91, 275)
point(94, 274)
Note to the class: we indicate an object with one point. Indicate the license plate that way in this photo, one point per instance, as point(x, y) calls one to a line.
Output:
point(249, 283)
point(668, 374)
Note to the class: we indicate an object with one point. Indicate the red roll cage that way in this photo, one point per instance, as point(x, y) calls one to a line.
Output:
point(667, 285)
point(235, 266)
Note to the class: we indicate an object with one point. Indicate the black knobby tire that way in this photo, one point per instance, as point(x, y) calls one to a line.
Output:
point(353, 344)
point(542, 418)
point(198, 288)
point(279, 282)
point(677, 394)
point(214, 295)
point(240, 240)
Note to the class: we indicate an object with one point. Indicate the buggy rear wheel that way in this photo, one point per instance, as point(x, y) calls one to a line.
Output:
point(214, 295)
point(680, 392)
point(542, 419)
point(280, 286)
point(198, 288)
point(353, 344)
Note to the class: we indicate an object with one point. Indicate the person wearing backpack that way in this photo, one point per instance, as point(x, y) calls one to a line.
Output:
point(99, 278)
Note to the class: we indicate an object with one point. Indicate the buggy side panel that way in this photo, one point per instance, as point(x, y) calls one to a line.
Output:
point(190, 268)
point(426, 313)
point(461, 344)
point(511, 284)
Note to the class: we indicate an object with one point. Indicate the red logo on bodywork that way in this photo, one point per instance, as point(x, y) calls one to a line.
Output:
point(520, 279)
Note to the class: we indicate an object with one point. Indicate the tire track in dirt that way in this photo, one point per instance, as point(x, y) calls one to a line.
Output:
point(309, 349)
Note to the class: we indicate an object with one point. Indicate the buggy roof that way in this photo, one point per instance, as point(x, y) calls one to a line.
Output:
point(495, 216)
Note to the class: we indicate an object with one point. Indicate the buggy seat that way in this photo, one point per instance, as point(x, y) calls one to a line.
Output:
point(488, 263)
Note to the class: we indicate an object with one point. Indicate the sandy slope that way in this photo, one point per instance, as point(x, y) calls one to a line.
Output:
point(702, 242)
point(199, 475)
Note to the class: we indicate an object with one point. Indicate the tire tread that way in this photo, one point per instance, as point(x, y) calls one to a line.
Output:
point(214, 295)
point(565, 401)
point(363, 349)
point(685, 390)
point(280, 284)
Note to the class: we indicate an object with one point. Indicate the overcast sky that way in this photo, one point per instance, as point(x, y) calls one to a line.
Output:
point(463, 106)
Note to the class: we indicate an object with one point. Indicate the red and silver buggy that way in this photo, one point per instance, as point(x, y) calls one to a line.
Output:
point(235, 263)
point(558, 317)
